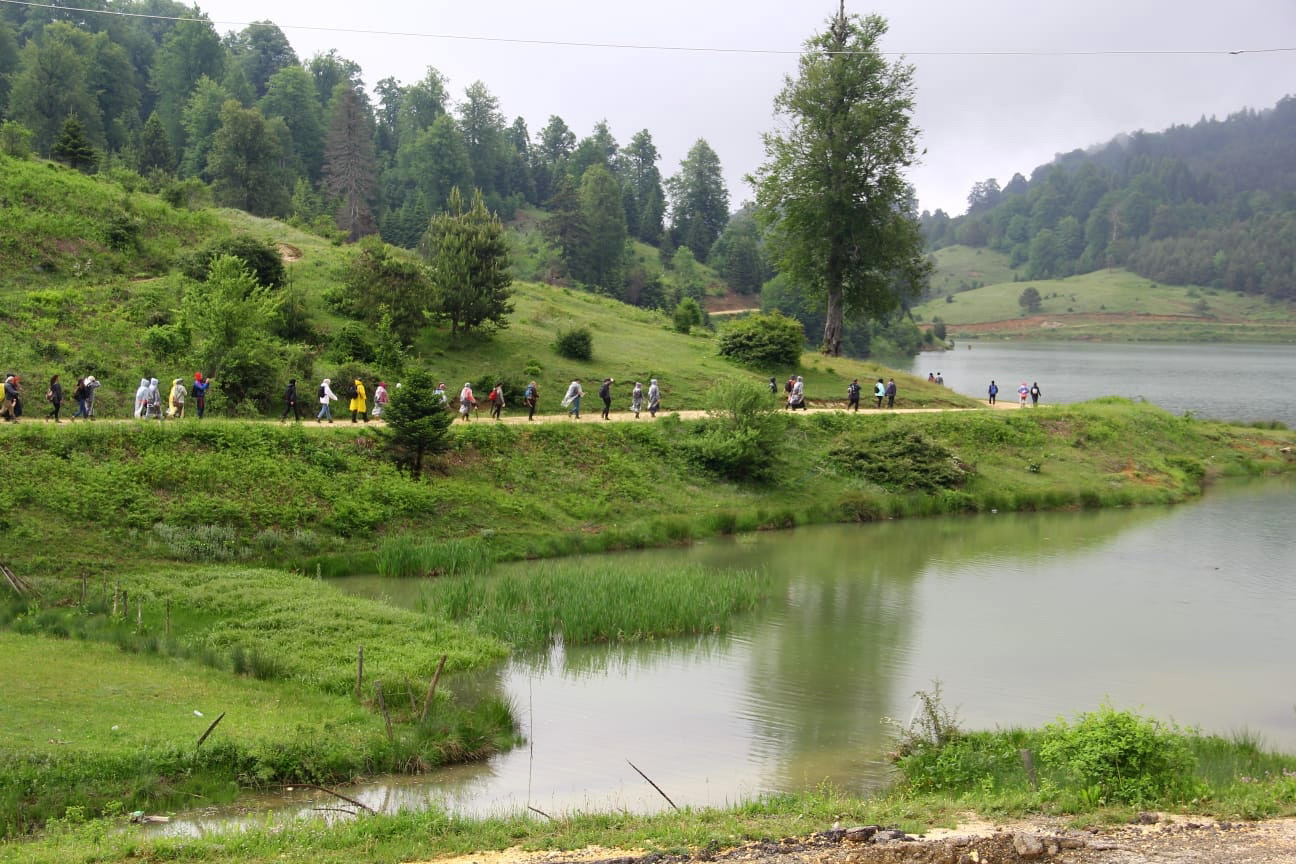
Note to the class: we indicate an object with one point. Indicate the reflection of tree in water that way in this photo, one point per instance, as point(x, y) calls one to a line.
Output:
point(823, 675)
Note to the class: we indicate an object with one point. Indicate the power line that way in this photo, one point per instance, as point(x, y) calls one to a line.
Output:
point(684, 49)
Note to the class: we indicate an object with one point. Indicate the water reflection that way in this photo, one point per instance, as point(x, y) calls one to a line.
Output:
point(1181, 613)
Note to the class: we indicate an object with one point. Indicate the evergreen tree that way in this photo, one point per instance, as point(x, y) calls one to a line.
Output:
point(155, 151)
point(72, 148)
point(349, 162)
point(603, 213)
point(699, 200)
point(833, 186)
point(468, 258)
point(646, 202)
point(417, 423)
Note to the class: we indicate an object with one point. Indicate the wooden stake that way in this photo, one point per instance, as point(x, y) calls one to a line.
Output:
point(409, 689)
point(83, 589)
point(382, 705)
point(116, 591)
point(359, 671)
point(125, 605)
point(427, 703)
point(652, 784)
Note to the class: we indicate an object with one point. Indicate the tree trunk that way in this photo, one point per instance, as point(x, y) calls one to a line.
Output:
point(833, 324)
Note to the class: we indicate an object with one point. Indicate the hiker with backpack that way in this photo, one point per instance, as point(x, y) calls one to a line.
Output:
point(497, 400)
point(573, 397)
point(200, 386)
point(358, 401)
point(530, 397)
point(467, 401)
point(380, 399)
point(326, 396)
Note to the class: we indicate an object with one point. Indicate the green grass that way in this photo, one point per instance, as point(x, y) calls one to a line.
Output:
point(102, 730)
point(1198, 313)
point(602, 600)
point(964, 268)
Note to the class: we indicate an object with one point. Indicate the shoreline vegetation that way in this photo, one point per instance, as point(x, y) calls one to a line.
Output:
point(206, 581)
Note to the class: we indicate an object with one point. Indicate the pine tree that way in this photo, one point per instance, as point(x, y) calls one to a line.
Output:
point(468, 256)
point(349, 163)
point(72, 148)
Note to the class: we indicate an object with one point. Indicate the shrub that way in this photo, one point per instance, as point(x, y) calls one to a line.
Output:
point(900, 461)
point(763, 340)
point(575, 344)
point(742, 438)
point(262, 259)
point(1128, 758)
point(15, 139)
point(687, 315)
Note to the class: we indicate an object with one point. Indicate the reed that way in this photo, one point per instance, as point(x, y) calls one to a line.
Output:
point(597, 601)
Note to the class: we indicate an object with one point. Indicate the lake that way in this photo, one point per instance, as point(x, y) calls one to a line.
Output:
point(1181, 613)
point(1240, 383)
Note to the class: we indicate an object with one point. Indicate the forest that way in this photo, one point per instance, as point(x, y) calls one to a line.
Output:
point(154, 90)
point(1211, 204)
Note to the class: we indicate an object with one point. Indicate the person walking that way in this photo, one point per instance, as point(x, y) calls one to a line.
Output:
point(440, 395)
point(787, 390)
point(1022, 392)
point(529, 398)
point(326, 395)
point(879, 391)
point(290, 402)
point(636, 397)
point(891, 392)
point(571, 401)
point(10, 400)
point(54, 396)
point(80, 395)
point(773, 385)
point(380, 399)
point(466, 401)
point(796, 399)
point(1035, 394)
point(654, 397)
point(497, 399)
point(200, 386)
point(852, 395)
point(359, 401)
point(141, 398)
point(993, 391)
point(153, 409)
point(176, 399)
point(92, 385)
point(605, 393)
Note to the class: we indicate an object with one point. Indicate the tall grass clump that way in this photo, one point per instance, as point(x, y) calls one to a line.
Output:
point(404, 556)
point(589, 601)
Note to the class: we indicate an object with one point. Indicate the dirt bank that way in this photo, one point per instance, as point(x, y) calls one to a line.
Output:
point(1173, 839)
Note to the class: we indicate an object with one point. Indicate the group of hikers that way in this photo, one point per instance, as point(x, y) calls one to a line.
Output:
point(83, 393)
point(794, 390)
point(640, 399)
point(1024, 392)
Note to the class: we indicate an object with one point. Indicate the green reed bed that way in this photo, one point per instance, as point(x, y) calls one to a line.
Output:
point(404, 555)
point(598, 601)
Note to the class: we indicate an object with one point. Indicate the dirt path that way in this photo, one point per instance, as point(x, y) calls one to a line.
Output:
point(1168, 840)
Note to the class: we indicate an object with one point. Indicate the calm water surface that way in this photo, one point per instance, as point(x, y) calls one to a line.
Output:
point(1242, 383)
point(1182, 613)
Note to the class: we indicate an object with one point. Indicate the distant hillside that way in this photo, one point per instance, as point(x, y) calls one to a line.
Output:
point(1212, 204)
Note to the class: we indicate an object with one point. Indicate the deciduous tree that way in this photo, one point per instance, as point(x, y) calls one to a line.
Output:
point(833, 187)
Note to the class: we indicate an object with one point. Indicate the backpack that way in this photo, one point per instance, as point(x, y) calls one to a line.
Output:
point(494, 395)
point(352, 392)
point(49, 395)
point(321, 392)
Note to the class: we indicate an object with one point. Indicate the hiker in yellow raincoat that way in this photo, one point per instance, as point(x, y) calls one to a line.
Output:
point(176, 399)
point(359, 405)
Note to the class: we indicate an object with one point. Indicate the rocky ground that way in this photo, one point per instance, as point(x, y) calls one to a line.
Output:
point(1156, 839)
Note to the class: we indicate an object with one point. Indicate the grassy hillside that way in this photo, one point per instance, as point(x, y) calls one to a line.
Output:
point(58, 225)
point(963, 268)
point(1114, 304)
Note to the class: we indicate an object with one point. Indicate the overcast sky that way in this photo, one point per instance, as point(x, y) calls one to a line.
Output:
point(981, 116)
